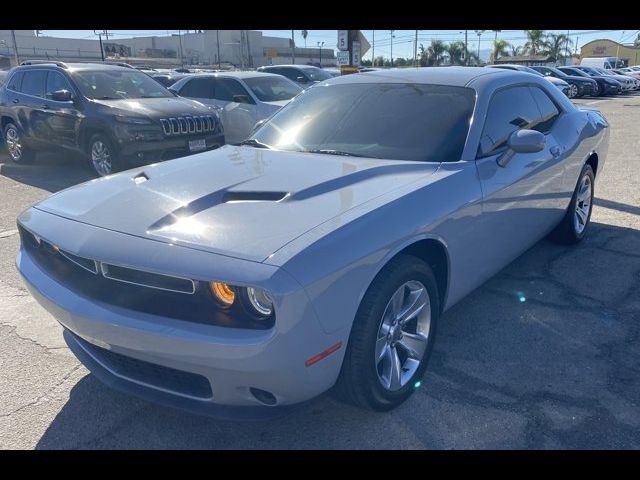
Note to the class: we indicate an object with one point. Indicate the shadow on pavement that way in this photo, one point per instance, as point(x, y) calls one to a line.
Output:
point(544, 355)
point(49, 171)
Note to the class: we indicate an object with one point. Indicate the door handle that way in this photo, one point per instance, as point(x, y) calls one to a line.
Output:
point(555, 151)
point(15, 100)
point(45, 107)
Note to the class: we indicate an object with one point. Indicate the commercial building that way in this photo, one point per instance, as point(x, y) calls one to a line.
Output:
point(238, 48)
point(630, 54)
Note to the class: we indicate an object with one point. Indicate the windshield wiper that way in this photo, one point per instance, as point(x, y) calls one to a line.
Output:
point(251, 142)
point(107, 98)
point(334, 152)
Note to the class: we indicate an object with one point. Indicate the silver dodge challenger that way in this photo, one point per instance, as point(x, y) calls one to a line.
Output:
point(322, 251)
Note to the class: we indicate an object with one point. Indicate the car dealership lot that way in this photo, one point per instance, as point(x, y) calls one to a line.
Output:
point(545, 355)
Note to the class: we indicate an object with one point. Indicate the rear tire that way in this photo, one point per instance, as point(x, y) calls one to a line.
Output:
point(573, 227)
point(388, 351)
point(13, 139)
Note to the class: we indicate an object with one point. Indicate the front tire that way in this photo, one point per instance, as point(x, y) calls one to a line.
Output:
point(15, 144)
point(573, 91)
point(573, 227)
point(103, 157)
point(392, 336)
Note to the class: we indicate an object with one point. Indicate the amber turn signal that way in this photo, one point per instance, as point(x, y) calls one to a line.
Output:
point(223, 293)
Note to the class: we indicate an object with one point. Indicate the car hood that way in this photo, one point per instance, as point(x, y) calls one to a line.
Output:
point(277, 103)
point(156, 107)
point(242, 202)
point(576, 78)
point(557, 81)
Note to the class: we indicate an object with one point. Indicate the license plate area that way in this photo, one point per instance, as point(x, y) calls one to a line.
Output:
point(197, 145)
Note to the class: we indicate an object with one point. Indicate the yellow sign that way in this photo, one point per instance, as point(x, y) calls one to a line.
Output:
point(272, 53)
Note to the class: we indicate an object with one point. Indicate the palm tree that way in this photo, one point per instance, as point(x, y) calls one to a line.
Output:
point(435, 52)
point(304, 36)
point(456, 53)
point(535, 41)
point(473, 58)
point(557, 44)
point(500, 49)
point(516, 50)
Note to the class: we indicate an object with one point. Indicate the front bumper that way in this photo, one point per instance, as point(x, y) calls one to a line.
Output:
point(231, 361)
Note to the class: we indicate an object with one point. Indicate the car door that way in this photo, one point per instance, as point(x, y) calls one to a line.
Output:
point(523, 200)
point(200, 89)
point(238, 117)
point(62, 118)
point(29, 104)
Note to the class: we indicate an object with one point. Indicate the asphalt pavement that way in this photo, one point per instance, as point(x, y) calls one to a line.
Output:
point(560, 369)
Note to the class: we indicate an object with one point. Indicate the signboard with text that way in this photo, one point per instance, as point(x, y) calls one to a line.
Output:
point(343, 40)
point(342, 58)
point(355, 48)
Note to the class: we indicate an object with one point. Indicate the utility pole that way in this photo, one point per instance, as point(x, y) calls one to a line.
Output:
point(566, 49)
point(373, 48)
point(101, 48)
point(415, 50)
point(466, 48)
point(293, 49)
point(320, 44)
point(180, 41)
point(250, 58)
point(218, 46)
point(577, 38)
point(495, 40)
point(392, 36)
point(15, 47)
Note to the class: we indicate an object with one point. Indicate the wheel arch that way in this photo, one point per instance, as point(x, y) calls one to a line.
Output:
point(592, 160)
point(88, 129)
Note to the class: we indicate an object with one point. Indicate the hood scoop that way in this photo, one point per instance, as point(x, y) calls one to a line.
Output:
point(216, 198)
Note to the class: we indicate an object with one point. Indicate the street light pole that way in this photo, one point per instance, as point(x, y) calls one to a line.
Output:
point(320, 45)
point(466, 48)
point(479, 33)
point(180, 41)
point(218, 46)
point(293, 49)
point(373, 48)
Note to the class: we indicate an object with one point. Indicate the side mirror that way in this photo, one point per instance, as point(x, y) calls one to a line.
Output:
point(522, 141)
point(258, 124)
point(242, 99)
point(61, 96)
point(301, 79)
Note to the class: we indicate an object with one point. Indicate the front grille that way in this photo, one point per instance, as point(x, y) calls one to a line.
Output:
point(159, 376)
point(188, 124)
point(132, 289)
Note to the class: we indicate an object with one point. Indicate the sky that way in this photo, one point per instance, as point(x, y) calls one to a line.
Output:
point(402, 43)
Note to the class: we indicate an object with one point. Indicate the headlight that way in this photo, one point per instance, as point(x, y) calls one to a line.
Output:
point(132, 120)
point(260, 301)
point(255, 301)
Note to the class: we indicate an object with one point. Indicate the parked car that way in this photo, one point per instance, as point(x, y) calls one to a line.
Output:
point(167, 79)
point(629, 73)
point(118, 117)
point(304, 75)
point(244, 98)
point(334, 72)
point(602, 62)
point(3, 76)
point(627, 82)
point(324, 249)
point(557, 82)
point(606, 85)
point(578, 86)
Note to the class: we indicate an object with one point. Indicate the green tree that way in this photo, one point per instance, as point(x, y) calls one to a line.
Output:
point(304, 35)
point(536, 42)
point(436, 50)
point(379, 61)
point(557, 45)
point(517, 50)
point(500, 49)
point(455, 50)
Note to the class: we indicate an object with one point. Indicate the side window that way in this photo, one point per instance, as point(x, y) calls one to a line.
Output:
point(198, 88)
point(33, 82)
point(291, 74)
point(226, 88)
point(15, 81)
point(548, 110)
point(510, 109)
point(55, 82)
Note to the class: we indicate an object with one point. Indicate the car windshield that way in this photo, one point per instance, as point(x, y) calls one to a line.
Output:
point(530, 70)
point(575, 71)
point(272, 88)
point(397, 121)
point(118, 84)
point(316, 74)
point(591, 71)
point(560, 73)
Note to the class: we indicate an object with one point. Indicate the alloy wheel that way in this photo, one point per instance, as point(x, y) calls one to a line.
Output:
point(101, 158)
point(14, 144)
point(583, 205)
point(573, 91)
point(403, 335)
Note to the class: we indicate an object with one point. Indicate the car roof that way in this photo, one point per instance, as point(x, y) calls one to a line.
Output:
point(239, 75)
point(289, 65)
point(456, 76)
point(73, 67)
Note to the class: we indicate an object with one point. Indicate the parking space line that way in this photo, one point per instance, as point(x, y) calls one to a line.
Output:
point(594, 102)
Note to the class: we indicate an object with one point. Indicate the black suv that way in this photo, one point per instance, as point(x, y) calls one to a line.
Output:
point(118, 117)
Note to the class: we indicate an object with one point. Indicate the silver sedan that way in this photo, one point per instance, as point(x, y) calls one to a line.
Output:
point(324, 250)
